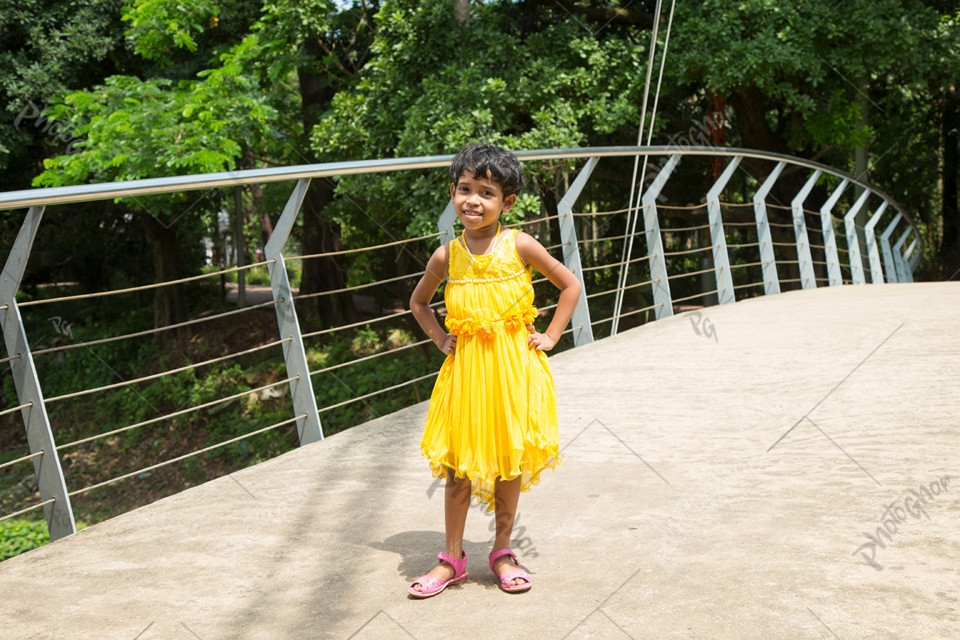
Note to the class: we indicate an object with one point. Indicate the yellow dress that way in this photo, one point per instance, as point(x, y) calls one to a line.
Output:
point(493, 410)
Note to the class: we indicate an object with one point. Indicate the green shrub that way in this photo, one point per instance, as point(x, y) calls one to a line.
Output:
point(19, 536)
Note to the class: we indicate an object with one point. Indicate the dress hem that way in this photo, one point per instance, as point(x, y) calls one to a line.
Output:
point(482, 488)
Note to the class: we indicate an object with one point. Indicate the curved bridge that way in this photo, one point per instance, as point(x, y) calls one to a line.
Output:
point(785, 467)
point(733, 249)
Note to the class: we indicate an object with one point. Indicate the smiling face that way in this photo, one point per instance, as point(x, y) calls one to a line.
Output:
point(479, 202)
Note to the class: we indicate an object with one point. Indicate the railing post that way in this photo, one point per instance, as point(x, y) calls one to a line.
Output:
point(658, 267)
point(807, 278)
point(876, 267)
point(888, 262)
point(834, 276)
point(908, 259)
point(294, 355)
point(445, 224)
point(915, 259)
point(771, 282)
point(853, 244)
point(50, 479)
point(903, 272)
point(582, 330)
point(721, 261)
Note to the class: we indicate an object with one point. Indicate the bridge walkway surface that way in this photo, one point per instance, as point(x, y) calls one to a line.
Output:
point(711, 487)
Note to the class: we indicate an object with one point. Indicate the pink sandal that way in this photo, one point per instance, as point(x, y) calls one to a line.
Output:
point(508, 576)
point(432, 586)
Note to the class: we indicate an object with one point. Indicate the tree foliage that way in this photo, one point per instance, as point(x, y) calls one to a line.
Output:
point(47, 49)
point(820, 79)
point(434, 83)
point(203, 86)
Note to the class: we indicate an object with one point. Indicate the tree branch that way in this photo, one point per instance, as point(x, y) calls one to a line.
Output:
point(603, 15)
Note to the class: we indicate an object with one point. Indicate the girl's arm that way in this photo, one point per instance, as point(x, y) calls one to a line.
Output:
point(533, 254)
point(422, 294)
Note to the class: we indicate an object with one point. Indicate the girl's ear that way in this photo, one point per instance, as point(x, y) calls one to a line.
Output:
point(452, 189)
point(508, 202)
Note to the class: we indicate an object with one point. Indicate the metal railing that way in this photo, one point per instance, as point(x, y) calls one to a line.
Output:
point(683, 265)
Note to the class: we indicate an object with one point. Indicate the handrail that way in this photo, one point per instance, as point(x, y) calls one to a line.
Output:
point(147, 186)
point(602, 251)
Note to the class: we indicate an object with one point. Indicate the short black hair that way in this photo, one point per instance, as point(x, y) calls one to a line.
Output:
point(483, 159)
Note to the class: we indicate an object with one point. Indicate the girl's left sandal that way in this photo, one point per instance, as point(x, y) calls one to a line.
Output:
point(507, 577)
point(431, 586)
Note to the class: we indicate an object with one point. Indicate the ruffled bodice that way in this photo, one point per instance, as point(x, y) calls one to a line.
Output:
point(488, 293)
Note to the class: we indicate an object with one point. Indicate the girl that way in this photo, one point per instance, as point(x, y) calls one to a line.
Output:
point(492, 422)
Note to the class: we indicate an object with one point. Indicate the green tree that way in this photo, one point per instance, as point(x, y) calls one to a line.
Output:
point(134, 128)
point(46, 49)
point(49, 48)
point(322, 46)
point(822, 79)
point(219, 99)
point(516, 75)
point(519, 75)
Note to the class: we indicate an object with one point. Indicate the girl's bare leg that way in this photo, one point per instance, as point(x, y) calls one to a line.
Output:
point(506, 496)
point(456, 503)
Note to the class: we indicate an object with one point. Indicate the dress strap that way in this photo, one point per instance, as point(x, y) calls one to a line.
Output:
point(516, 254)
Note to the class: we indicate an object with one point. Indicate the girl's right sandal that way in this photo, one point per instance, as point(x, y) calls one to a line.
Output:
point(507, 577)
point(431, 586)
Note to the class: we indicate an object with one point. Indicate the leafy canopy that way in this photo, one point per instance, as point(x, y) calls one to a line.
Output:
point(434, 84)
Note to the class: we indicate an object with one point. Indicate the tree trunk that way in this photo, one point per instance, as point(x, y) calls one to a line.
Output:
point(950, 128)
point(266, 230)
point(599, 15)
point(239, 246)
point(320, 235)
point(548, 198)
point(756, 133)
point(323, 274)
point(461, 10)
point(861, 166)
point(749, 106)
point(169, 305)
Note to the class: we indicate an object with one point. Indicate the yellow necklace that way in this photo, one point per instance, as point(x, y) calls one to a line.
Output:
point(496, 241)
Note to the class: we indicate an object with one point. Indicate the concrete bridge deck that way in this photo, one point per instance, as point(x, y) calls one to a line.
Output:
point(711, 488)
